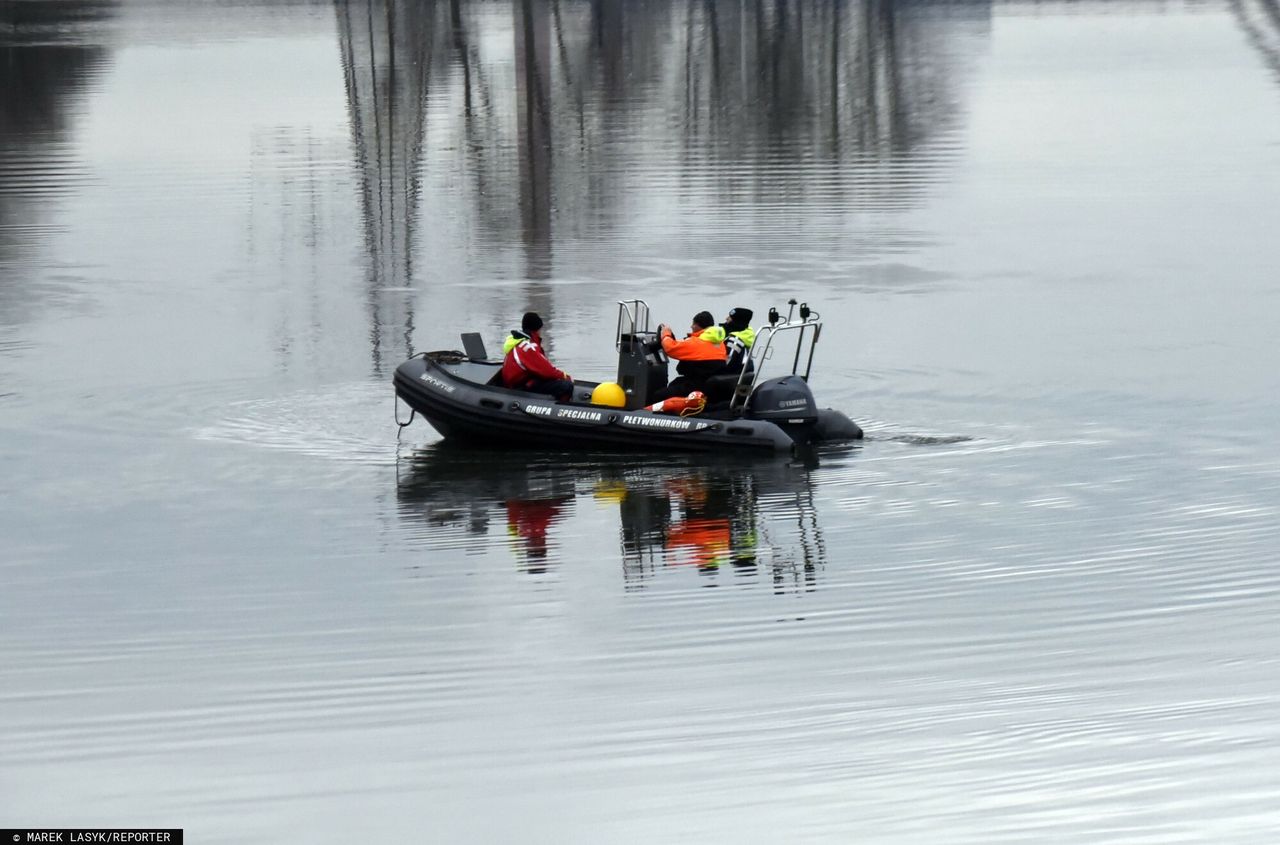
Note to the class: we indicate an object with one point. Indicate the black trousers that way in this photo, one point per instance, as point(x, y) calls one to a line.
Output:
point(681, 386)
point(560, 388)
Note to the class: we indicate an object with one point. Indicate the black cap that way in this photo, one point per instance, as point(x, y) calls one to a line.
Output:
point(740, 315)
point(531, 322)
point(704, 320)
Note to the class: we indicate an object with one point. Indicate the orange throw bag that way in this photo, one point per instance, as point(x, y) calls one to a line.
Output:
point(682, 405)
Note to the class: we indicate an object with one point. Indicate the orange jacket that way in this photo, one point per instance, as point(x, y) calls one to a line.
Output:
point(706, 345)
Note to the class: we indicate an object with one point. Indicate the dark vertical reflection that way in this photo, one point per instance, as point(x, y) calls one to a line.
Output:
point(1260, 21)
point(865, 84)
point(534, 145)
point(544, 109)
point(533, 118)
point(49, 52)
point(862, 92)
point(387, 51)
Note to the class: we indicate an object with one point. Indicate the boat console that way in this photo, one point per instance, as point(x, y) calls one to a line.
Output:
point(642, 365)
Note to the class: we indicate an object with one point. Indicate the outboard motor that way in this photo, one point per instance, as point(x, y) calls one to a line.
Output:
point(786, 401)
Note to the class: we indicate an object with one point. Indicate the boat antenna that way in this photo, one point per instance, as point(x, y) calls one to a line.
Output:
point(791, 310)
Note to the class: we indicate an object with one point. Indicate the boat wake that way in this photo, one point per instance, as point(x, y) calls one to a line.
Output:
point(335, 424)
point(887, 433)
point(922, 439)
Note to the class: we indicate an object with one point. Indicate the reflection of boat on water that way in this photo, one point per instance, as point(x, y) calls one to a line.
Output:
point(721, 517)
point(721, 520)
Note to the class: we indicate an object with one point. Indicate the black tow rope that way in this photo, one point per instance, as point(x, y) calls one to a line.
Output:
point(412, 411)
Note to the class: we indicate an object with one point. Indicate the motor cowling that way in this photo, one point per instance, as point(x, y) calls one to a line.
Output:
point(783, 400)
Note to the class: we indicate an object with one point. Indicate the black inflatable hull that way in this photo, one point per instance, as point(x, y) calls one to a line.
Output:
point(453, 396)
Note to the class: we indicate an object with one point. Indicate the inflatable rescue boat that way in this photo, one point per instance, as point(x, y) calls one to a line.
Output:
point(461, 395)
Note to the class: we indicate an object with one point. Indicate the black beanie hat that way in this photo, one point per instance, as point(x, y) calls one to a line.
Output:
point(740, 316)
point(704, 320)
point(531, 322)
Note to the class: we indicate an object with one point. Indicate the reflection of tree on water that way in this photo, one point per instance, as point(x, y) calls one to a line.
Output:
point(47, 54)
point(393, 53)
point(548, 109)
point(725, 518)
point(864, 83)
point(761, 86)
point(541, 113)
point(1260, 21)
point(387, 50)
point(533, 82)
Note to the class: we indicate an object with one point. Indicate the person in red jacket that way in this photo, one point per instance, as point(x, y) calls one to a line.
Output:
point(525, 367)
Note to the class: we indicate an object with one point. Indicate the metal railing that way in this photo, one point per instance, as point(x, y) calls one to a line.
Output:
point(762, 350)
point(634, 314)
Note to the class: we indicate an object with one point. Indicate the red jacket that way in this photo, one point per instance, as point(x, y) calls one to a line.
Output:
point(526, 363)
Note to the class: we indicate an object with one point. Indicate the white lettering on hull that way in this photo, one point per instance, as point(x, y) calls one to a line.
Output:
point(663, 423)
point(576, 414)
point(437, 383)
point(551, 412)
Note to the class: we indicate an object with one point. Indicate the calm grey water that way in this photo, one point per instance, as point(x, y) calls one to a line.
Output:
point(1037, 604)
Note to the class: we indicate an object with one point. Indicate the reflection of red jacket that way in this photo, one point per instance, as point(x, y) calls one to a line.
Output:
point(529, 519)
point(526, 362)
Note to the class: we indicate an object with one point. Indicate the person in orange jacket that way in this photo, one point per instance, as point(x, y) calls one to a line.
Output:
point(701, 355)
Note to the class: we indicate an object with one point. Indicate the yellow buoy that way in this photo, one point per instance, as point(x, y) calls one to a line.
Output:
point(609, 393)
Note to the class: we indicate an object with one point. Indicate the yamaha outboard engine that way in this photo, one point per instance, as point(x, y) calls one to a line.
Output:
point(786, 401)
